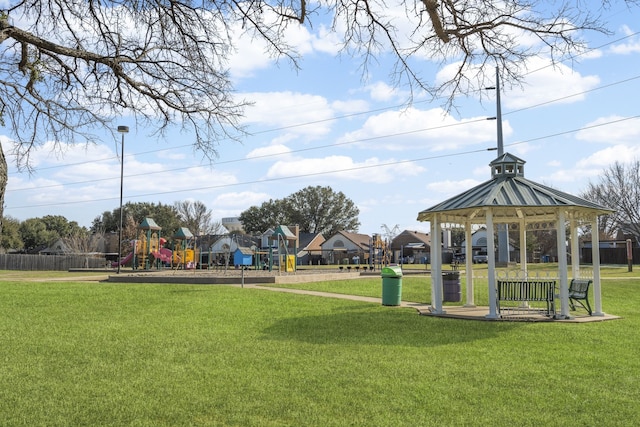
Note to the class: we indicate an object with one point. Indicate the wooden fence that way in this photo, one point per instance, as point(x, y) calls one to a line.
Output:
point(49, 262)
point(611, 256)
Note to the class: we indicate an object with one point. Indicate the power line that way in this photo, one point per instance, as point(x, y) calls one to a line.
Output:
point(306, 175)
point(361, 113)
point(333, 145)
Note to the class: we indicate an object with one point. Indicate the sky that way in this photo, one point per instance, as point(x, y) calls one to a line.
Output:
point(327, 125)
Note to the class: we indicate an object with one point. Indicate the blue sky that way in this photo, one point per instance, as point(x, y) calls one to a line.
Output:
point(327, 125)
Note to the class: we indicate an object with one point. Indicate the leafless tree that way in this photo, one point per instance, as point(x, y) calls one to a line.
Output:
point(618, 189)
point(196, 217)
point(69, 67)
point(84, 243)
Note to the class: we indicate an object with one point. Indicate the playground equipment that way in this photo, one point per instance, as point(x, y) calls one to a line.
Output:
point(286, 254)
point(147, 244)
point(123, 261)
point(183, 255)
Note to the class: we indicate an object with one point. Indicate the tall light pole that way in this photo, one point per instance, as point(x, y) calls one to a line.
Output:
point(122, 130)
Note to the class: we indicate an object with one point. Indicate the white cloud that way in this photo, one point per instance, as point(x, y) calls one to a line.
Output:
point(371, 170)
point(240, 200)
point(546, 83)
point(450, 187)
point(414, 129)
point(629, 46)
point(269, 151)
point(253, 54)
point(543, 82)
point(308, 115)
point(592, 166)
point(382, 92)
point(603, 158)
point(611, 130)
point(350, 106)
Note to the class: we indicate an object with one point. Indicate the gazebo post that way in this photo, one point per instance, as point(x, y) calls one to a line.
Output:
point(575, 250)
point(469, 263)
point(523, 248)
point(595, 258)
point(436, 269)
point(562, 264)
point(491, 250)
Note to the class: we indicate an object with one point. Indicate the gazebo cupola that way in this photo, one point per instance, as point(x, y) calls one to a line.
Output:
point(507, 165)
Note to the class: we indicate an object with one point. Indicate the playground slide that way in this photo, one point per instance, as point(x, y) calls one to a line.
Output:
point(163, 255)
point(123, 261)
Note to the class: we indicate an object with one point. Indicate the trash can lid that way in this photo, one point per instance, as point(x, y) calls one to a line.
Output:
point(391, 271)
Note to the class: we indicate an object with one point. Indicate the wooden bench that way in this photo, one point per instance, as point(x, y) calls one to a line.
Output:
point(579, 294)
point(525, 292)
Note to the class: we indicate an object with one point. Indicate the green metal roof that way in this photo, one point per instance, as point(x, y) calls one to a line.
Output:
point(511, 197)
point(149, 224)
point(284, 231)
point(183, 233)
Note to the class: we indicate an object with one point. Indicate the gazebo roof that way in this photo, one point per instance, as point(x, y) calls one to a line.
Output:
point(511, 197)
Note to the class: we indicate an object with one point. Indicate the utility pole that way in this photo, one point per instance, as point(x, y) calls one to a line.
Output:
point(499, 115)
point(503, 229)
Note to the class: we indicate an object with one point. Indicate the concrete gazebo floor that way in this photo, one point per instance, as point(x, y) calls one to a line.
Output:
point(480, 313)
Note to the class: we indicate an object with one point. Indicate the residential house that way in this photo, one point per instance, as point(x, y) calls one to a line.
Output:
point(346, 248)
point(411, 247)
point(310, 248)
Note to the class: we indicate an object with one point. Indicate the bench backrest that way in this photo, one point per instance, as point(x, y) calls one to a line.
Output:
point(526, 290)
point(579, 288)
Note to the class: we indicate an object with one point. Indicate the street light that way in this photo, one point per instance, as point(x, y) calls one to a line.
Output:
point(122, 130)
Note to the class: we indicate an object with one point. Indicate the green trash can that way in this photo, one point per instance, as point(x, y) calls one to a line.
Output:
point(391, 285)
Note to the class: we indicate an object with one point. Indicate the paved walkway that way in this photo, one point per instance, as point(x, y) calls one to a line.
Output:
point(453, 312)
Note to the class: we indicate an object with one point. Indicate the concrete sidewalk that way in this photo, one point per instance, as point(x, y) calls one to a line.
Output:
point(452, 312)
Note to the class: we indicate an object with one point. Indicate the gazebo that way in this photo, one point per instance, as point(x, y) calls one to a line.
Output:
point(508, 199)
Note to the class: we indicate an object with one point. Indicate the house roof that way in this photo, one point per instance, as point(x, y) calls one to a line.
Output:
point(413, 239)
point(244, 250)
point(311, 241)
point(360, 240)
point(510, 196)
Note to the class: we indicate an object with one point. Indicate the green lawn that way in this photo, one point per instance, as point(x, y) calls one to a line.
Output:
point(172, 355)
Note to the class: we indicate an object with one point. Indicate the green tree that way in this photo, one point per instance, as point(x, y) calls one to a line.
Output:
point(166, 216)
point(269, 215)
point(36, 232)
point(322, 210)
point(10, 238)
point(314, 209)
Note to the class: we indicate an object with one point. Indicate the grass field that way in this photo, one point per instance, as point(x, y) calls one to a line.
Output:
point(77, 353)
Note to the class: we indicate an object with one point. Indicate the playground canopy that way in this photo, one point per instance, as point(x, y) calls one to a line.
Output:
point(509, 198)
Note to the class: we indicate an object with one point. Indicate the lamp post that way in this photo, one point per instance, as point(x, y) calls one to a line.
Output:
point(122, 130)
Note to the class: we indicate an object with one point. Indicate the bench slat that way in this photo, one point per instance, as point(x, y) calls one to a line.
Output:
point(527, 291)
